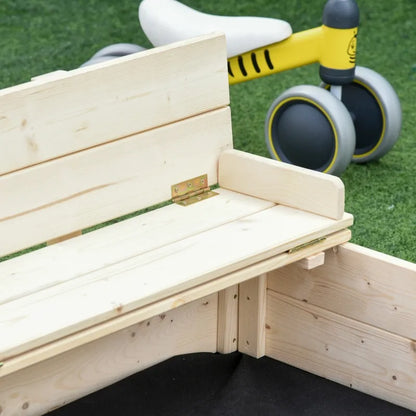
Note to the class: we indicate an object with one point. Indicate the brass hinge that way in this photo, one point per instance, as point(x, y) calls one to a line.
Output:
point(304, 245)
point(191, 191)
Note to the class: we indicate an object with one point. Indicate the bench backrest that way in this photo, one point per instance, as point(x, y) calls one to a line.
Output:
point(96, 143)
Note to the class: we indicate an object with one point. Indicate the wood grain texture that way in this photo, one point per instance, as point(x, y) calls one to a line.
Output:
point(54, 116)
point(154, 275)
point(312, 262)
point(83, 370)
point(125, 320)
point(359, 283)
point(70, 260)
point(228, 320)
point(282, 183)
point(252, 317)
point(341, 349)
point(68, 194)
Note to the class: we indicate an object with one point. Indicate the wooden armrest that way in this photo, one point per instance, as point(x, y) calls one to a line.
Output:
point(282, 183)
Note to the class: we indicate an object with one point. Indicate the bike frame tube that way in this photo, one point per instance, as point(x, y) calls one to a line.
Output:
point(333, 48)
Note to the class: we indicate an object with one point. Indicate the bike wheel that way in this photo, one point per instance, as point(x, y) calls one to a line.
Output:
point(376, 112)
point(307, 126)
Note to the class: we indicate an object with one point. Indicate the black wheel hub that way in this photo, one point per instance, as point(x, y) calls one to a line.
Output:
point(302, 135)
point(366, 115)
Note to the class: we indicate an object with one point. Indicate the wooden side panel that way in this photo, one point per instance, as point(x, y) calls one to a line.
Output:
point(69, 376)
point(282, 183)
point(68, 194)
point(227, 320)
point(359, 283)
point(341, 349)
point(252, 317)
point(65, 113)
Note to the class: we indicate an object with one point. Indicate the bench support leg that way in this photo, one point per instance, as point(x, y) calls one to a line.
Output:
point(227, 320)
point(252, 317)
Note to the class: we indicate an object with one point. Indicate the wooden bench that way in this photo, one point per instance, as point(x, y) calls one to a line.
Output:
point(219, 270)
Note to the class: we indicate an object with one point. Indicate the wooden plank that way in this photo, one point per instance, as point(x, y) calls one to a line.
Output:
point(119, 288)
point(252, 317)
point(282, 183)
point(359, 283)
point(312, 262)
point(90, 367)
point(95, 332)
point(49, 117)
point(108, 181)
point(341, 349)
point(227, 320)
point(52, 266)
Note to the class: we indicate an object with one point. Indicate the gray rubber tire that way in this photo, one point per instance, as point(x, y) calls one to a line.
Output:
point(113, 51)
point(307, 126)
point(118, 49)
point(375, 109)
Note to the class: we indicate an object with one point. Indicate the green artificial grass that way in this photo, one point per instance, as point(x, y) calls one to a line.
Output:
point(39, 36)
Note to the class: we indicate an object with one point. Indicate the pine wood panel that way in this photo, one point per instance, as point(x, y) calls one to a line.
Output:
point(125, 320)
point(359, 283)
point(67, 112)
point(73, 259)
point(121, 287)
point(90, 367)
point(58, 197)
point(282, 183)
point(341, 349)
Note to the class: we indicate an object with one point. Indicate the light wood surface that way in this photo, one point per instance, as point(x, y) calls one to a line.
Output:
point(111, 245)
point(228, 300)
point(68, 194)
point(147, 278)
point(312, 262)
point(359, 283)
point(83, 370)
point(125, 320)
point(48, 117)
point(252, 317)
point(343, 350)
point(282, 183)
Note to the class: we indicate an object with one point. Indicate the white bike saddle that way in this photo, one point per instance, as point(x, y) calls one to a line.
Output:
point(166, 21)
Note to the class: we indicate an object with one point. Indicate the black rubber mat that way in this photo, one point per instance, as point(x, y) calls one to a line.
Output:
point(234, 384)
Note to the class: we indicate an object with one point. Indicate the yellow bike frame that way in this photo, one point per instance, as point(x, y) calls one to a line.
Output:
point(332, 48)
point(333, 45)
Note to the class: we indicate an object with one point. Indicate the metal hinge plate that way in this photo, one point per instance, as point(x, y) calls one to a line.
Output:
point(191, 191)
point(308, 244)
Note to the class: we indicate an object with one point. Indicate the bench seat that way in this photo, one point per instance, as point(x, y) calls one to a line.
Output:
point(105, 274)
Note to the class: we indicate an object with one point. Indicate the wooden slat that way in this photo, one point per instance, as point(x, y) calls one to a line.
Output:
point(341, 349)
point(50, 117)
point(68, 194)
point(282, 183)
point(83, 370)
point(227, 320)
point(51, 266)
point(95, 332)
point(312, 262)
point(252, 317)
point(121, 287)
point(359, 283)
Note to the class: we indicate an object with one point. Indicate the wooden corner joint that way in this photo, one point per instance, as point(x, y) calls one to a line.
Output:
point(309, 263)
